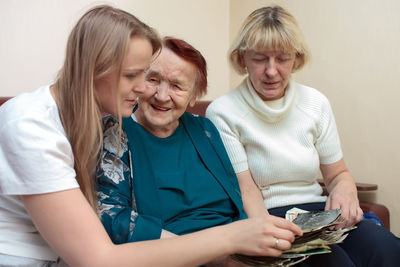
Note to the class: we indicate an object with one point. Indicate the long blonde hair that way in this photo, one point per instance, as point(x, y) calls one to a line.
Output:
point(96, 45)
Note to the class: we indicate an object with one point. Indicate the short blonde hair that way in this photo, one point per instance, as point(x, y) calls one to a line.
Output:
point(269, 28)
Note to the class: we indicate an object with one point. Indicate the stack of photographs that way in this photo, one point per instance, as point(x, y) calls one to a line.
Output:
point(316, 239)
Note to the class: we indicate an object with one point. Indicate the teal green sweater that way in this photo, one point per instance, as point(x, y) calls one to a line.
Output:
point(192, 188)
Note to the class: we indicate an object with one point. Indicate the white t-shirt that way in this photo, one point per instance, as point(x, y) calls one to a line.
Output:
point(282, 143)
point(36, 157)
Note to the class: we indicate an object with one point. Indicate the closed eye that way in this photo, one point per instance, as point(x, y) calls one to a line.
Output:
point(153, 80)
point(258, 59)
point(283, 59)
point(130, 76)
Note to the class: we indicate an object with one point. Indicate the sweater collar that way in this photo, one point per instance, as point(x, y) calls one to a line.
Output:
point(261, 108)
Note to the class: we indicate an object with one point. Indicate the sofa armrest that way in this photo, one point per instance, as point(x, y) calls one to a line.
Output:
point(3, 99)
point(360, 186)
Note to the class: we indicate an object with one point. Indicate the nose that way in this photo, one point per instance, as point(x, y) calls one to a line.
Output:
point(271, 68)
point(140, 87)
point(162, 92)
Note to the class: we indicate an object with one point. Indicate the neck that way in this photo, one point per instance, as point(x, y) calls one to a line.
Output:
point(159, 131)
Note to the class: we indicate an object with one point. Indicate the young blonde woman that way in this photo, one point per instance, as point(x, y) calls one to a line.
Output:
point(50, 141)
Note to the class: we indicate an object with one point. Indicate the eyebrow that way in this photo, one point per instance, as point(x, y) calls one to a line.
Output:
point(152, 73)
point(179, 82)
point(155, 73)
point(128, 70)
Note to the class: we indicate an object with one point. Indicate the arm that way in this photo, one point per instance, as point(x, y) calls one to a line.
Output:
point(116, 202)
point(253, 201)
point(251, 196)
point(72, 229)
point(338, 180)
point(342, 192)
point(117, 206)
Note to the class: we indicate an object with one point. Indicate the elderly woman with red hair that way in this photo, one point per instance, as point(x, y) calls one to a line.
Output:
point(170, 174)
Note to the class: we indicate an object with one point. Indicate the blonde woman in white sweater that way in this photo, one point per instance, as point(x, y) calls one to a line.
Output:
point(280, 135)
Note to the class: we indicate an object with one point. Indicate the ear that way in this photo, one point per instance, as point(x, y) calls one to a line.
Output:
point(241, 60)
point(192, 102)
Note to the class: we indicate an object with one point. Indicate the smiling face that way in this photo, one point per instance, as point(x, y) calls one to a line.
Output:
point(269, 72)
point(170, 88)
point(130, 82)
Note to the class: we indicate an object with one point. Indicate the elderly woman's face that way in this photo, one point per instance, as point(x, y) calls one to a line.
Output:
point(170, 88)
point(269, 72)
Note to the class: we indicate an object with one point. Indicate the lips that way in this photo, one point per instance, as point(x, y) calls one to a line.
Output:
point(132, 101)
point(271, 84)
point(160, 108)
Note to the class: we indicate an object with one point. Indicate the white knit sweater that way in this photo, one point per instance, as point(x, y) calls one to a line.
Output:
point(282, 146)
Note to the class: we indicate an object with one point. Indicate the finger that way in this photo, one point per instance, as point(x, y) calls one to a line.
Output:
point(353, 213)
point(356, 218)
point(284, 234)
point(360, 214)
point(345, 211)
point(280, 228)
point(328, 204)
point(335, 202)
point(281, 244)
point(287, 225)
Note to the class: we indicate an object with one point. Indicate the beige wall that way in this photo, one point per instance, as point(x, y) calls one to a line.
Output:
point(354, 62)
point(33, 35)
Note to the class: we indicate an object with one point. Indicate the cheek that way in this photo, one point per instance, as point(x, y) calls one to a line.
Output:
point(181, 105)
point(145, 98)
point(256, 72)
point(286, 72)
point(106, 100)
point(125, 88)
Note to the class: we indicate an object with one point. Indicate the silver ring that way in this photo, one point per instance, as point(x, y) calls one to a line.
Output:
point(276, 242)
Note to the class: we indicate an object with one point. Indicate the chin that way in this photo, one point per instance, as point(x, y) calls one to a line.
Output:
point(126, 113)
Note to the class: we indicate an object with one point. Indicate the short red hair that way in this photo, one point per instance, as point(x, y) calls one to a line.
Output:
point(190, 54)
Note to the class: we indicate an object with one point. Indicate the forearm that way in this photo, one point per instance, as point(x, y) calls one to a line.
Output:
point(253, 201)
point(343, 180)
point(188, 250)
point(342, 192)
point(72, 229)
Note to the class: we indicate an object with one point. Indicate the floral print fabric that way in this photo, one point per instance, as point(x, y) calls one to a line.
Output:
point(114, 189)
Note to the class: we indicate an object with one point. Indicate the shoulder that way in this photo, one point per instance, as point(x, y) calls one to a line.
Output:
point(32, 130)
point(311, 100)
point(34, 106)
point(25, 102)
point(197, 119)
point(310, 95)
point(228, 105)
point(205, 124)
point(114, 142)
point(32, 115)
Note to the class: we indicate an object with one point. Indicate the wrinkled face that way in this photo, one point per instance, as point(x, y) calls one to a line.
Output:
point(269, 72)
point(130, 82)
point(170, 89)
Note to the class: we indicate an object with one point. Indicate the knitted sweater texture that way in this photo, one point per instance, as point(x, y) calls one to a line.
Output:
point(282, 145)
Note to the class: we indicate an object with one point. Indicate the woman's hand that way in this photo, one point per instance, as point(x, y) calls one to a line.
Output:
point(263, 236)
point(342, 193)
